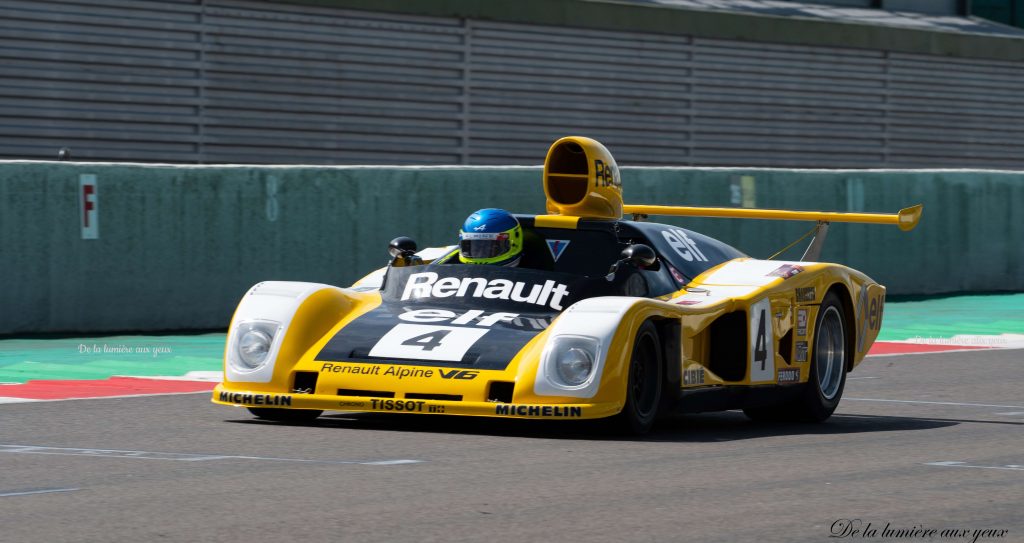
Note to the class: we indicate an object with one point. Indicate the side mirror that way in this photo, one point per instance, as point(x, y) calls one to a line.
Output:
point(403, 252)
point(402, 246)
point(637, 255)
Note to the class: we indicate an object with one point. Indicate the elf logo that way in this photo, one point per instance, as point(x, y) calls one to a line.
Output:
point(427, 285)
point(683, 245)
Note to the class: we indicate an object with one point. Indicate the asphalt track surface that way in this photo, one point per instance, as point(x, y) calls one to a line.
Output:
point(178, 468)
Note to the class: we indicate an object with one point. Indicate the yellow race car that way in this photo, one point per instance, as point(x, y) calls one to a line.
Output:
point(604, 318)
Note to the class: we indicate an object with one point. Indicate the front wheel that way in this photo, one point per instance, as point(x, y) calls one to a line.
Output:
point(643, 388)
point(285, 415)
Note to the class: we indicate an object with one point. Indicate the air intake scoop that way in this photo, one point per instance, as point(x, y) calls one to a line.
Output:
point(581, 179)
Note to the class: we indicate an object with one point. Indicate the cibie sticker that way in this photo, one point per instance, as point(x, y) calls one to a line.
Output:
point(693, 376)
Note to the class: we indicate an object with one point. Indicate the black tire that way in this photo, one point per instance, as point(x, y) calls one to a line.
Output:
point(285, 415)
point(829, 362)
point(817, 402)
point(645, 383)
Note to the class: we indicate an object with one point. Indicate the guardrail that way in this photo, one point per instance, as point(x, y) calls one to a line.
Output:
point(88, 247)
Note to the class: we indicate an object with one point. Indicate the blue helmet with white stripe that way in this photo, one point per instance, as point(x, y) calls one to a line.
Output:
point(491, 236)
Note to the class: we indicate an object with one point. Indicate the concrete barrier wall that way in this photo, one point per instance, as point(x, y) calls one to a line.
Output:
point(178, 245)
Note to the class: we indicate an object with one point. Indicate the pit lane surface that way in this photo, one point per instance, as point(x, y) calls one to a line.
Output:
point(931, 440)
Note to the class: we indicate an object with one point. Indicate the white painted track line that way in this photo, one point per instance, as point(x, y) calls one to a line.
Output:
point(185, 457)
point(1010, 467)
point(40, 491)
point(932, 403)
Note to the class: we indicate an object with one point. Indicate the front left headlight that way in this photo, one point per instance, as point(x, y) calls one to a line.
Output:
point(254, 347)
point(253, 343)
point(574, 366)
point(572, 360)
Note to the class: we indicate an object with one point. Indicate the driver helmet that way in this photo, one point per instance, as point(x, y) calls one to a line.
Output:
point(491, 236)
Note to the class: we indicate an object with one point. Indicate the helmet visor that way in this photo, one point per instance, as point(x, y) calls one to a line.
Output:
point(478, 247)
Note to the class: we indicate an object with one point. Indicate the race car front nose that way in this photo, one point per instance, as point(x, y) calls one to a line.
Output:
point(493, 390)
point(407, 403)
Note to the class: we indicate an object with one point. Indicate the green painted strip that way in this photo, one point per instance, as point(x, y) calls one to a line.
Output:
point(86, 358)
point(990, 314)
point(99, 358)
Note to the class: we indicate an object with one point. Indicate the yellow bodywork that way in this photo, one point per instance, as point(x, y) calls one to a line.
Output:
point(581, 180)
point(906, 219)
point(308, 335)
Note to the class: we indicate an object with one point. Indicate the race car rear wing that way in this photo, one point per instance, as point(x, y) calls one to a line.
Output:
point(906, 219)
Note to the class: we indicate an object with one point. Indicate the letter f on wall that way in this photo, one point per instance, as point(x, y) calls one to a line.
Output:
point(89, 206)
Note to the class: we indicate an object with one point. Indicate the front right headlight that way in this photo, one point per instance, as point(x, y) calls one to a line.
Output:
point(572, 360)
point(253, 343)
point(253, 348)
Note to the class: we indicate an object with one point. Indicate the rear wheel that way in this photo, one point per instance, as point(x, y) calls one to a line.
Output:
point(644, 386)
point(828, 363)
point(821, 394)
point(285, 415)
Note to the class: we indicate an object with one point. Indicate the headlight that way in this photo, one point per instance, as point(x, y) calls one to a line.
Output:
point(253, 348)
point(572, 360)
point(253, 343)
point(574, 366)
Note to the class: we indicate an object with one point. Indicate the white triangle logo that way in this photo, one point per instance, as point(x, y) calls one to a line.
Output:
point(557, 247)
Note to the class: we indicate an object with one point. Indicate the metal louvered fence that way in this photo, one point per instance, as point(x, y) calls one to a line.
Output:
point(226, 81)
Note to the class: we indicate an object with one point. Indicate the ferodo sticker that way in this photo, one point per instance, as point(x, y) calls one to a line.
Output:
point(762, 348)
point(789, 375)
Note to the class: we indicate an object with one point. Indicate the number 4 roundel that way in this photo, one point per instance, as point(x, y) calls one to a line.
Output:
point(427, 342)
point(762, 344)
